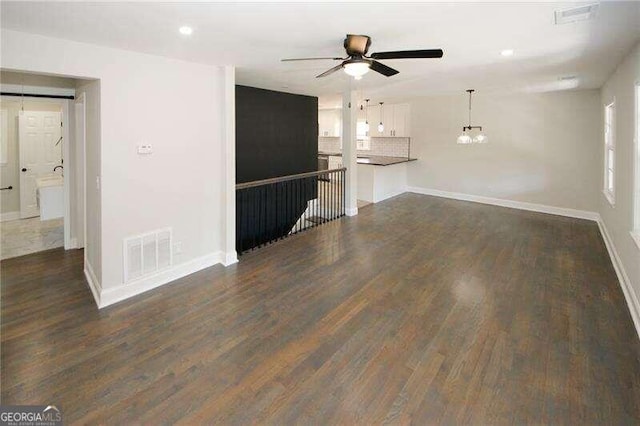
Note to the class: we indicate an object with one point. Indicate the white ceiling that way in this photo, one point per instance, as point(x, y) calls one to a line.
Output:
point(255, 36)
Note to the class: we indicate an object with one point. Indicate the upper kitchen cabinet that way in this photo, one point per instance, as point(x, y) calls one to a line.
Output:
point(395, 120)
point(329, 122)
point(401, 116)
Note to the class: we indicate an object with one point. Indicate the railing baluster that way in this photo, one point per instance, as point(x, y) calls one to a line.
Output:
point(263, 222)
point(271, 209)
point(333, 190)
point(333, 200)
point(317, 203)
point(239, 227)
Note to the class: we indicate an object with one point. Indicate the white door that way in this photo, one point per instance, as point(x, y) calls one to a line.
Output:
point(39, 131)
point(387, 120)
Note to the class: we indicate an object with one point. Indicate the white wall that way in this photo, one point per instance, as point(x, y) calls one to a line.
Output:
point(618, 220)
point(543, 149)
point(178, 107)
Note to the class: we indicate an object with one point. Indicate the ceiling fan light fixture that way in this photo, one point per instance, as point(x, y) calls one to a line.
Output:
point(356, 69)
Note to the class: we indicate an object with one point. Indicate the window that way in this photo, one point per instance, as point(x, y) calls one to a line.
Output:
point(635, 233)
point(610, 153)
point(363, 142)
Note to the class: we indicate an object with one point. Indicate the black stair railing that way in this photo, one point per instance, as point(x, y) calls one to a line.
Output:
point(271, 209)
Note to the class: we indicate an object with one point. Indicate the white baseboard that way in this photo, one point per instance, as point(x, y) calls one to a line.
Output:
point(351, 212)
point(109, 296)
point(5, 217)
point(520, 205)
point(73, 243)
point(92, 280)
point(230, 258)
point(629, 293)
point(390, 195)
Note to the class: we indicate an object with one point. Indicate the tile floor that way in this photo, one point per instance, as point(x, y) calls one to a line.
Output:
point(24, 236)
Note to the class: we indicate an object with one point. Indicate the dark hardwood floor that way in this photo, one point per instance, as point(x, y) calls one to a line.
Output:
point(419, 310)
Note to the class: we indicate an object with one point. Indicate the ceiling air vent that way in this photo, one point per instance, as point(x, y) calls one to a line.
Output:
point(576, 14)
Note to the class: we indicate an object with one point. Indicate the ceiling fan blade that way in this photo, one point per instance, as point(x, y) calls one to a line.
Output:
point(383, 69)
point(409, 54)
point(310, 59)
point(331, 71)
point(357, 44)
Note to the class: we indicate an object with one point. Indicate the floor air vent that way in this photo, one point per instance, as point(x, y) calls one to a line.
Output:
point(147, 254)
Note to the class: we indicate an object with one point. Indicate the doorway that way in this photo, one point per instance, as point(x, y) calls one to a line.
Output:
point(32, 176)
point(41, 165)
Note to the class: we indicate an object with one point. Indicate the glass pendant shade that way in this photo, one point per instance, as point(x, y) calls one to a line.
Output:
point(464, 139)
point(356, 69)
point(366, 126)
point(380, 127)
point(481, 138)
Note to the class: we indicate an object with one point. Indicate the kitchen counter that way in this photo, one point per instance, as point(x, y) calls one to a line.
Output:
point(335, 154)
point(383, 161)
point(373, 160)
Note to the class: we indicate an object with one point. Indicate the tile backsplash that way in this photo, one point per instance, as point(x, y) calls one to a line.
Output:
point(388, 147)
point(329, 144)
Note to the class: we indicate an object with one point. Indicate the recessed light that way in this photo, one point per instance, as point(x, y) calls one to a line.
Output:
point(186, 30)
point(507, 52)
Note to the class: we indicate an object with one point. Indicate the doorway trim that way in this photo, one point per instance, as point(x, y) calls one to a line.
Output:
point(69, 243)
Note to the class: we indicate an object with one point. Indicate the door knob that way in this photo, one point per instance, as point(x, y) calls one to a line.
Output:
point(24, 169)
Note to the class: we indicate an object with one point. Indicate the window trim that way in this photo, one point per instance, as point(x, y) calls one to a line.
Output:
point(610, 194)
point(635, 232)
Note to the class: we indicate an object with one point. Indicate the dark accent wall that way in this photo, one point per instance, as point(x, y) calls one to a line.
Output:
point(276, 134)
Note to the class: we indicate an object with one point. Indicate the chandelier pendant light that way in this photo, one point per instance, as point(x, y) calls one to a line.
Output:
point(466, 139)
point(366, 117)
point(380, 125)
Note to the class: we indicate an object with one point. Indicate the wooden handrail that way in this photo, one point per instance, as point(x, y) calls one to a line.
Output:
point(269, 181)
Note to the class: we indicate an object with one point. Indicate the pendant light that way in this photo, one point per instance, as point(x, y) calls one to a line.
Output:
point(366, 117)
point(381, 126)
point(464, 138)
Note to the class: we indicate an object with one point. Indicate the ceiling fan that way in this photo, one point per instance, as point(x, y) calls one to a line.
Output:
point(357, 63)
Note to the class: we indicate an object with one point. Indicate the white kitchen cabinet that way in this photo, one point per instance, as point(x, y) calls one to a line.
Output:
point(329, 122)
point(395, 119)
point(401, 116)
